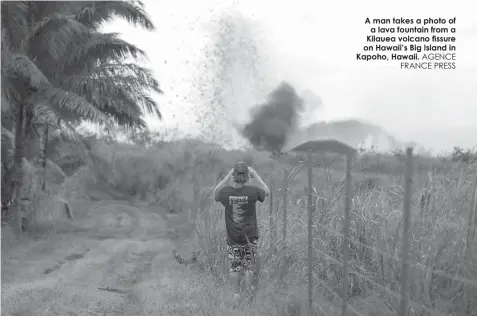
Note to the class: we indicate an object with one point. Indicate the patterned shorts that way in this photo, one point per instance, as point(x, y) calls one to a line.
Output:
point(242, 257)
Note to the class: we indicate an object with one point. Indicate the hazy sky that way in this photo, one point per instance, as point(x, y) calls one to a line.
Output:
point(313, 45)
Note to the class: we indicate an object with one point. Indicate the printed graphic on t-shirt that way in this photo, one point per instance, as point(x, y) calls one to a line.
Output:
point(237, 212)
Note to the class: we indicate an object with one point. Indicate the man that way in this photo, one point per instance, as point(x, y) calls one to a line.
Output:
point(240, 201)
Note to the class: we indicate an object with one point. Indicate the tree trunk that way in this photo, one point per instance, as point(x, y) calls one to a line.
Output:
point(40, 157)
point(16, 180)
point(45, 148)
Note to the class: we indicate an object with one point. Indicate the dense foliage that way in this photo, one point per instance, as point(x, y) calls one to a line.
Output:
point(58, 70)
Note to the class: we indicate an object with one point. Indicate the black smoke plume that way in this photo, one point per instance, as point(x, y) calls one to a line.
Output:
point(273, 121)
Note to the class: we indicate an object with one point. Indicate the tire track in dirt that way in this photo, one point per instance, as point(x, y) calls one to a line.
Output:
point(115, 220)
point(141, 264)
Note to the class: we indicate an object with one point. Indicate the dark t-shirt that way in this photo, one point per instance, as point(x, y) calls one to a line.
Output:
point(240, 212)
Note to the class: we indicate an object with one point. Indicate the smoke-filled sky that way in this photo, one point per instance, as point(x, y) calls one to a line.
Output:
point(313, 45)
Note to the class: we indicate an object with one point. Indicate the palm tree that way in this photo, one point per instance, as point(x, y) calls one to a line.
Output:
point(45, 86)
point(24, 86)
point(95, 68)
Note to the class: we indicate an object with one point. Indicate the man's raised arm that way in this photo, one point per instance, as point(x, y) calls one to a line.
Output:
point(222, 184)
point(260, 181)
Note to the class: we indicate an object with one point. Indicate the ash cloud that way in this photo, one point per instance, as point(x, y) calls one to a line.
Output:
point(275, 120)
point(287, 117)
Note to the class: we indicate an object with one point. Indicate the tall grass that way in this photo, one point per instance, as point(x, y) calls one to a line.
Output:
point(443, 259)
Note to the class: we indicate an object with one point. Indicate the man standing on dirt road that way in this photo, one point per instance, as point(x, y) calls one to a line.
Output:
point(240, 201)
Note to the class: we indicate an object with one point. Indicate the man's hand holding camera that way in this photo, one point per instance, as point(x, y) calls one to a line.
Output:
point(252, 172)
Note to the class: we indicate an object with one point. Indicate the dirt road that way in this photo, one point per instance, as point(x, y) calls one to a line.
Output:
point(94, 269)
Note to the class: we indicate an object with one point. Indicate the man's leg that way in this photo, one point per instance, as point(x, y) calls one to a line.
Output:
point(235, 265)
point(249, 278)
point(235, 279)
point(250, 265)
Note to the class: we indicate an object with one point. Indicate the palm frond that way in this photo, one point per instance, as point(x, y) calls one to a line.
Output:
point(113, 92)
point(102, 82)
point(126, 122)
point(64, 62)
point(102, 88)
point(94, 13)
point(14, 23)
point(54, 36)
point(147, 103)
point(127, 99)
point(37, 10)
point(42, 113)
point(101, 47)
point(54, 105)
point(108, 78)
point(121, 103)
point(87, 86)
point(20, 66)
point(122, 121)
point(142, 75)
